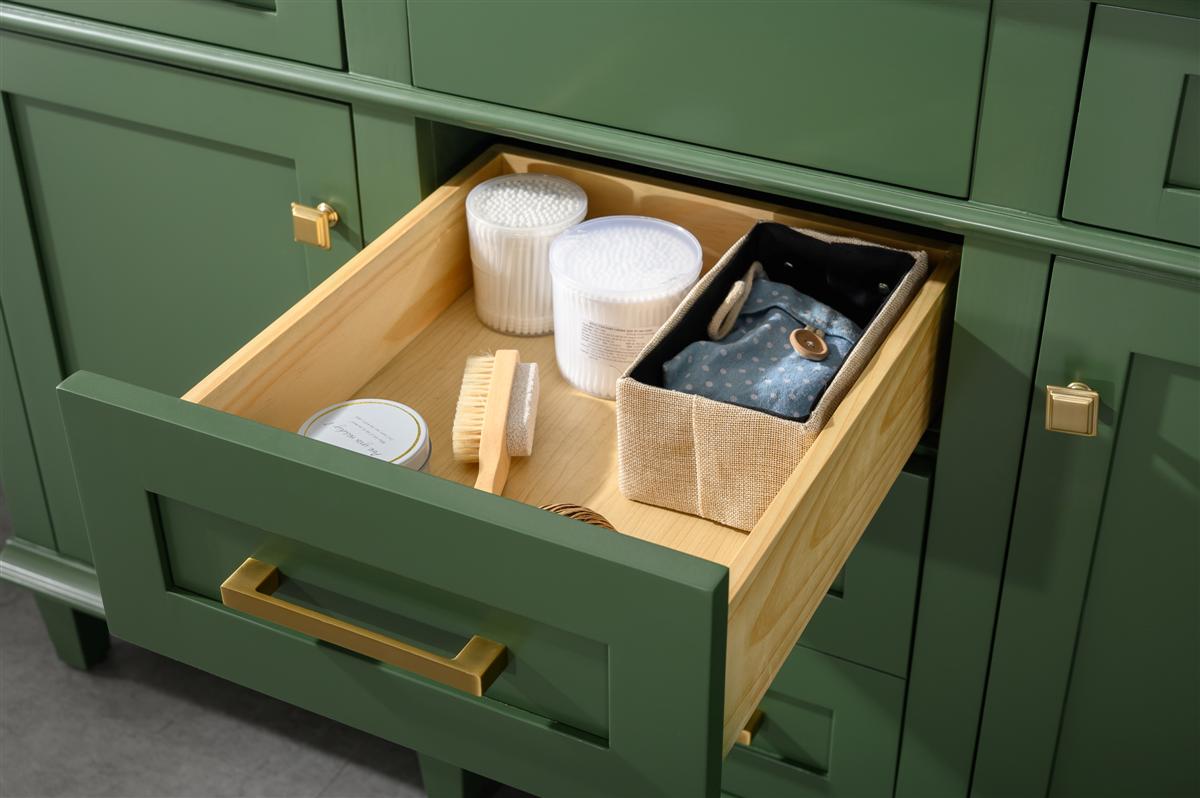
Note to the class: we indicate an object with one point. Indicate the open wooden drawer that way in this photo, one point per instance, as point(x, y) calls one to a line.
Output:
point(631, 660)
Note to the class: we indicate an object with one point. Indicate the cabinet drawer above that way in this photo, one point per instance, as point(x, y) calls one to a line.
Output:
point(300, 30)
point(885, 91)
point(655, 626)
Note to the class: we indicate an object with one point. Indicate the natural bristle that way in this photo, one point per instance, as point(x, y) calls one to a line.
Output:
point(472, 406)
point(472, 403)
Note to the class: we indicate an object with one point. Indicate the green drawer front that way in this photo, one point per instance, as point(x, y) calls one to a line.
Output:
point(886, 91)
point(561, 675)
point(829, 728)
point(867, 616)
point(302, 30)
point(1135, 165)
point(614, 681)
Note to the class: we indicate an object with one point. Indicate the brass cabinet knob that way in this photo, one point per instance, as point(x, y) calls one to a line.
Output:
point(311, 225)
point(1074, 409)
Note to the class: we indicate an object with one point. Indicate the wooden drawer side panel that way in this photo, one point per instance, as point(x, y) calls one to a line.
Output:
point(806, 535)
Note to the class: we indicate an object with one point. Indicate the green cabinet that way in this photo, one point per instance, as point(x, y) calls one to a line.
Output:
point(886, 91)
point(828, 728)
point(23, 496)
point(147, 225)
point(302, 30)
point(1135, 164)
point(867, 616)
point(1097, 647)
point(612, 640)
point(146, 236)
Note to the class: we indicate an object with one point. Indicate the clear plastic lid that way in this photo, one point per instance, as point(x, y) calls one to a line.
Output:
point(626, 258)
point(527, 201)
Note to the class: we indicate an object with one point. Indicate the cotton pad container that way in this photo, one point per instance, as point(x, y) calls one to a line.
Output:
point(616, 280)
point(511, 221)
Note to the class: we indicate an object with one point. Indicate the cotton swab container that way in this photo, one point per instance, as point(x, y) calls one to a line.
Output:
point(511, 221)
point(616, 280)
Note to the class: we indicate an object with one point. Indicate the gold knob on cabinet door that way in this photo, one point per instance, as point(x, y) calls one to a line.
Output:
point(1074, 409)
point(311, 225)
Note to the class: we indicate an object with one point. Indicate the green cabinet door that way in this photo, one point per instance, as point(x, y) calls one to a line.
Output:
point(19, 477)
point(147, 230)
point(302, 30)
point(886, 91)
point(1094, 687)
point(1135, 164)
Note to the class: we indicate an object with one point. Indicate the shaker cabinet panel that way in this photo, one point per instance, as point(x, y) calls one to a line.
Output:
point(150, 224)
point(828, 728)
point(1098, 637)
point(19, 476)
point(1135, 164)
point(886, 91)
point(301, 30)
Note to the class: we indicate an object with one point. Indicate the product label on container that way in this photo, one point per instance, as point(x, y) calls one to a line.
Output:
point(375, 427)
point(616, 346)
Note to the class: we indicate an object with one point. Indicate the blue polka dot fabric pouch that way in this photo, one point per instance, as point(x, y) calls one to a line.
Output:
point(726, 399)
point(772, 348)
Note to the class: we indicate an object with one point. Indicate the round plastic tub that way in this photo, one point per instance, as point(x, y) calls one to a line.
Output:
point(378, 428)
point(511, 221)
point(616, 280)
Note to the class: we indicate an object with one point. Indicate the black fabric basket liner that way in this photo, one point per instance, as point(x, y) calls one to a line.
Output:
point(854, 279)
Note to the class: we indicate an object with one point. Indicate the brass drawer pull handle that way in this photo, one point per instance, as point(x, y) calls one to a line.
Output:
point(311, 225)
point(472, 670)
point(746, 735)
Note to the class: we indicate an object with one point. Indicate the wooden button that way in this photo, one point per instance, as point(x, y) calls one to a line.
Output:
point(809, 343)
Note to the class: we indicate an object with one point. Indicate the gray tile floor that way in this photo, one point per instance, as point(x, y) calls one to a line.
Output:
point(139, 724)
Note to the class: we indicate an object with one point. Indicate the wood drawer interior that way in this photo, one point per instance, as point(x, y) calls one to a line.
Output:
point(398, 321)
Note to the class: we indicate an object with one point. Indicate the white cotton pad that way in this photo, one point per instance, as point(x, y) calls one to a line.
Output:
point(511, 221)
point(616, 280)
point(522, 410)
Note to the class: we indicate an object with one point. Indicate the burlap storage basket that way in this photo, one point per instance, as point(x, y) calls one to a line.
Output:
point(716, 460)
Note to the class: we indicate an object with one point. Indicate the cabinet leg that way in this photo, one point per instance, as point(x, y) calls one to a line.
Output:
point(443, 780)
point(80, 640)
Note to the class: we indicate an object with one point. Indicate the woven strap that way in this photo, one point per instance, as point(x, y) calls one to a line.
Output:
point(723, 320)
